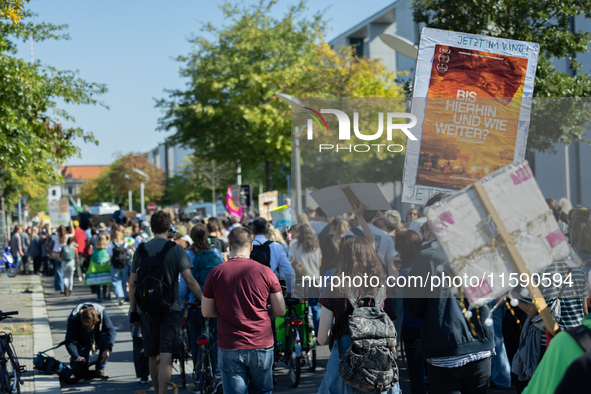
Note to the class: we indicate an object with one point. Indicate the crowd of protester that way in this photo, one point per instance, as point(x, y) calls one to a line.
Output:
point(240, 272)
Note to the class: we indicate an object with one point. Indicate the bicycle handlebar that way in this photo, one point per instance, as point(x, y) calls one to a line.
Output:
point(9, 313)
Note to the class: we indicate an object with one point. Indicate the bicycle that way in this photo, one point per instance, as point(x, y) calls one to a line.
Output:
point(204, 365)
point(185, 352)
point(288, 347)
point(10, 369)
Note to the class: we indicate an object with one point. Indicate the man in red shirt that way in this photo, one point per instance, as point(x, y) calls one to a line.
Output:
point(80, 238)
point(238, 292)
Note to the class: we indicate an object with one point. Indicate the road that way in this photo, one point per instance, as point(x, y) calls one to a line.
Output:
point(120, 367)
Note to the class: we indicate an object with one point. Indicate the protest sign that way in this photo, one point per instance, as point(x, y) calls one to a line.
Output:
point(59, 212)
point(476, 117)
point(268, 201)
point(281, 217)
point(233, 201)
point(496, 230)
point(99, 269)
point(336, 200)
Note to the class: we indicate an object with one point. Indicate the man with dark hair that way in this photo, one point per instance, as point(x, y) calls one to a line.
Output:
point(238, 292)
point(161, 329)
point(458, 354)
point(269, 253)
point(321, 221)
point(214, 228)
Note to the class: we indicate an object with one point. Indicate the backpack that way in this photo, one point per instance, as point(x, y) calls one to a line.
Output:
point(369, 364)
point(119, 258)
point(582, 335)
point(204, 262)
point(262, 253)
point(68, 253)
point(154, 290)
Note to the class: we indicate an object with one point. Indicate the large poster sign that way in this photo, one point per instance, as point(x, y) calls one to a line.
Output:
point(473, 119)
point(233, 201)
point(59, 212)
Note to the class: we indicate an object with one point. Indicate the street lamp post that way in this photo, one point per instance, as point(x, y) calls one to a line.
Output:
point(400, 45)
point(286, 98)
point(142, 184)
point(129, 194)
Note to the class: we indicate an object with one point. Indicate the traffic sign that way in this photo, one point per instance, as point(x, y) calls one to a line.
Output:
point(26, 207)
point(151, 207)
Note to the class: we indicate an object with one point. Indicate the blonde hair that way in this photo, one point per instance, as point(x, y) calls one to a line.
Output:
point(304, 219)
point(118, 236)
point(276, 236)
point(102, 242)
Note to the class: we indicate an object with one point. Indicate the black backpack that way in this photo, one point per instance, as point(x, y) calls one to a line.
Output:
point(369, 364)
point(262, 253)
point(154, 290)
point(119, 259)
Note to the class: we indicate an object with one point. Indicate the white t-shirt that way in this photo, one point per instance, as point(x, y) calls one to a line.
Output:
point(57, 245)
point(138, 240)
point(384, 243)
point(311, 260)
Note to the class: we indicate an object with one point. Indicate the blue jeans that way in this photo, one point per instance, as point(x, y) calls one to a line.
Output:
point(315, 311)
point(118, 279)
point(58, 275)
point(246, 370)
point(501, 369)
point(332, 382)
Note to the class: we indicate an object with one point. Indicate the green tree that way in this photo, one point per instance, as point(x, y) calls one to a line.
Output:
point(115, 182)
point(12, 9)
point(32, 139)
point(548, 23)
point(228, 112)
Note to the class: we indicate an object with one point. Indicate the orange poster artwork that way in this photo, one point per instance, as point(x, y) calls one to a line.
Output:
point(471, 117)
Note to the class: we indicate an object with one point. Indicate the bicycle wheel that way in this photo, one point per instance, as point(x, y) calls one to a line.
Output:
point(294, 359)
point(12, 367)
point(202, 369)
point(311, 354)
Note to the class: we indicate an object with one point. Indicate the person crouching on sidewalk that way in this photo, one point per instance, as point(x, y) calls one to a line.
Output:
point(89, 331)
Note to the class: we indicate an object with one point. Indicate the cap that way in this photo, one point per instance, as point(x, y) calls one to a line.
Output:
point(76, 224)
point(145, 224)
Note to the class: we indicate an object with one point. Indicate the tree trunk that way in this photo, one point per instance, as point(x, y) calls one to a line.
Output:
point(268, 176)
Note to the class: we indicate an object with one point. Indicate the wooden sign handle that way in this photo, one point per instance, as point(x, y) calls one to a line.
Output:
point(350, 196)
point(535, 293)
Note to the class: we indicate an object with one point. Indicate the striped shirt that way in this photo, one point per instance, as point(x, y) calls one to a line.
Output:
point(459, 361)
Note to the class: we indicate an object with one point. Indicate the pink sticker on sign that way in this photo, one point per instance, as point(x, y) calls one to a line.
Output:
point(476, 293)
point(521, 175)
point(446, 217)
point(555, 238)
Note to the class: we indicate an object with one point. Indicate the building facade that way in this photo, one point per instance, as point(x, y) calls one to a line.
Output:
point(550, 168)
point(74, 177)
point(169, 158)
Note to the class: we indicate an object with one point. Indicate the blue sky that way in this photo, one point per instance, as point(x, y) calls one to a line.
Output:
point(129, 45)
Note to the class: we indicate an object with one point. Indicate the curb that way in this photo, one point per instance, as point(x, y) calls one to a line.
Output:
point(44, 384)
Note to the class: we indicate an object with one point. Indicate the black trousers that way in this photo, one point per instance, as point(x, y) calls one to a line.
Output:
point(140, 361)
point(471, 378)
point(414, 357)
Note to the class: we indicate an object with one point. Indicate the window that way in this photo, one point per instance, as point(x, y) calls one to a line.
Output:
point(53, 192)
point(70, 190)
point(358, 43)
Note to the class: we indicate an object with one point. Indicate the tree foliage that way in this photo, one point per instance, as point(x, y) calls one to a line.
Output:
point(228, 112)
point(12, 10)
point(113, 185)
point(32, 138)
point(546, 22)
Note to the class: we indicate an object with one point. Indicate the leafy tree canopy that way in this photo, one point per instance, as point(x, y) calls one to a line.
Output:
point(32, 138)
